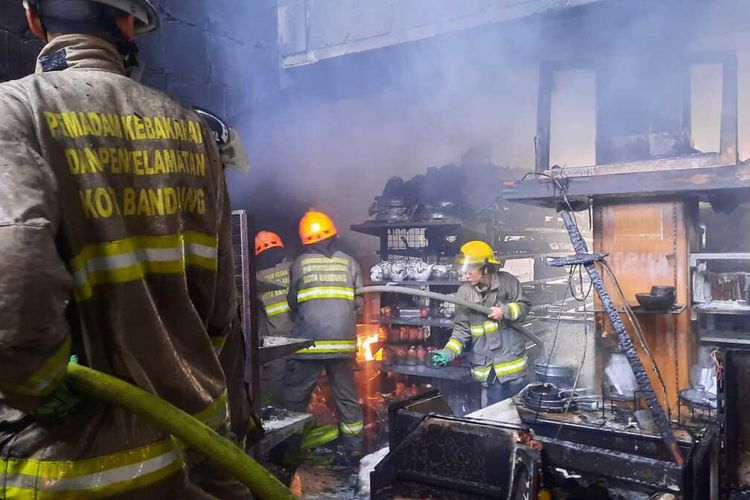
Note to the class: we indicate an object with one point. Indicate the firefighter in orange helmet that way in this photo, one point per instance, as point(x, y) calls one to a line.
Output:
point(274, 320)
point(324, 308)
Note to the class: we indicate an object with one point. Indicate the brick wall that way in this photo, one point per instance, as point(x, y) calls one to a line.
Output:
point(203, 50)
point(200, 55)
point(18, 48)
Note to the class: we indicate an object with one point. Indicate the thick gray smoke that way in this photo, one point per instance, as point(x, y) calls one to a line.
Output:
point(342, 127)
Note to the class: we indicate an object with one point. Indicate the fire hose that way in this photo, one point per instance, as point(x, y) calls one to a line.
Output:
point(181, 425)
point(446, 298)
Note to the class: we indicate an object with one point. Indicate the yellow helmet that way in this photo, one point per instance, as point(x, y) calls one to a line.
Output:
point(476, 253)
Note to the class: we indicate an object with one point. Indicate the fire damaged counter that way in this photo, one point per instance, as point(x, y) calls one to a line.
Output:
point(437, 455)
point(630, 460)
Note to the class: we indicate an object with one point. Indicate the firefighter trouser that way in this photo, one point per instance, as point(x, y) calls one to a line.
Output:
point(301, 378)
point(272, 377)
point(499, 391)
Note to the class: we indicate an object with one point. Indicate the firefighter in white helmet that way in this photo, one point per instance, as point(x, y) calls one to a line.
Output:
point(115, 233)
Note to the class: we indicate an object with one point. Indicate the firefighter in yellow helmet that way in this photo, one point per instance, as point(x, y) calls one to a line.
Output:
point(274, 320)
point(324, 308)
point(115, 232)
point(496, 352)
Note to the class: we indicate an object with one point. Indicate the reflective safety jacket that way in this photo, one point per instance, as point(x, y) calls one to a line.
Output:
point(275, 318)
point(492, 347)
point(324, 308)
point(113, 206)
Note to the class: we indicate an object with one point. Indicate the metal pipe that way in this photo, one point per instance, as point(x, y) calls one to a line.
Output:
point(446, 298)
point(644, 383)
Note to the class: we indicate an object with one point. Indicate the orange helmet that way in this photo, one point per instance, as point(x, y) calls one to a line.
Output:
point(265, 240)
point(315, 227)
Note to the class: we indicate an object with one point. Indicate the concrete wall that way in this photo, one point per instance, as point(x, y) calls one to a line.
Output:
point(313, 30)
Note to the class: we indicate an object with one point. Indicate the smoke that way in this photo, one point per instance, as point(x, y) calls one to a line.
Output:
point(340, 128)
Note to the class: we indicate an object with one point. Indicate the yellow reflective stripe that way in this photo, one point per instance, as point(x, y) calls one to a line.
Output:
point(514, 311)
point(126, 260)
point(490, 326)
point(47, 377)
point(216, 414)
point(218, 343)
point(481, 373)
point(330, 347)
point(277, 308)
point(484, 328)
point(510, 367)
point(325, 292)
point(352, 428)
point(90, 478)
point(455, 345)
point(324, 260)
point(319, 436)
point(325, 268)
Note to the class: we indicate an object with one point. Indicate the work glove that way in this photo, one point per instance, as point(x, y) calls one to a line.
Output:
point(443, 357)
point(233, 153)
point(60, 404)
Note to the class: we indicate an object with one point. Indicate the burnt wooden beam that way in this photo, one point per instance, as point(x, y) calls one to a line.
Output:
point(692, 181)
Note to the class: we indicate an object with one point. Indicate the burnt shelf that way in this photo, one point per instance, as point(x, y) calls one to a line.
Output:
point(722, 307)
point(675, 309)
point(375, 228)
point(454, 373)
point(698, 181)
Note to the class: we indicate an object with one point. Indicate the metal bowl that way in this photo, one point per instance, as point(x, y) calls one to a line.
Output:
point(655, 302)
point(663, 291)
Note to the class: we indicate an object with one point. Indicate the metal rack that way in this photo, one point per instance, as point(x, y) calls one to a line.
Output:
point(259, 350)
point(706, 313)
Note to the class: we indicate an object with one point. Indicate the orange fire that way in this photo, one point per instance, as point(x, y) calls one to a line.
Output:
point(365, 343)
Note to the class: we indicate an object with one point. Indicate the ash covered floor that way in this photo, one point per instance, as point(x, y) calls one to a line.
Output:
point(313, 482)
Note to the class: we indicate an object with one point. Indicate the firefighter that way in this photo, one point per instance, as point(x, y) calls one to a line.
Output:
point(115, 232)
point(321, 296)
point(497, 353)
point(274, 319)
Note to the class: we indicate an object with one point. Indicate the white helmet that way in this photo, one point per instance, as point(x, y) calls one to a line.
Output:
point(144, 12)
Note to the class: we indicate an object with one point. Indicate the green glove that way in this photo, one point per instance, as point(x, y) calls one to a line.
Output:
point(61, 404)
point(443, 357)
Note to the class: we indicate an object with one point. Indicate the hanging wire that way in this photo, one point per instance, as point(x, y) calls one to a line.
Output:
point(638, 331)
point(554, 340)
point(628, 310)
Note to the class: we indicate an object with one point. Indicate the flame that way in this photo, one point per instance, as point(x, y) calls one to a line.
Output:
point(364, 346)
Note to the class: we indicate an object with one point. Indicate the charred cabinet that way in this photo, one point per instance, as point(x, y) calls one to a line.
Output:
point(650, 244)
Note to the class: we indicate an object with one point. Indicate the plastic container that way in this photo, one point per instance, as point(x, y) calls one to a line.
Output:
point(411, 356)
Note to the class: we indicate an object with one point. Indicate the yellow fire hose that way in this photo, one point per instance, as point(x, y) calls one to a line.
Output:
point(189, 430)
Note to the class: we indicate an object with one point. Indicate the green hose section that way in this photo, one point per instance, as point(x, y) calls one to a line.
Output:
point(189, 430)
point(445, 298)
